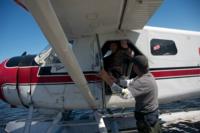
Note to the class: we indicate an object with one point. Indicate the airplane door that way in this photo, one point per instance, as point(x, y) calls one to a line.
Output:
point(87, 53)
point(56, 84)
point(49, 90)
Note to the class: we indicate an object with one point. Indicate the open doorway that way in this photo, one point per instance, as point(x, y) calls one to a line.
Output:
point(117, 55)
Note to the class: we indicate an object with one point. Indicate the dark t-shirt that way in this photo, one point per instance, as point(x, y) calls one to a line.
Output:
point(117, 63)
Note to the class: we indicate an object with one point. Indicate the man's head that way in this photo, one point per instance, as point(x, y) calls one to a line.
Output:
point(113, 46)
point(140, 64)
point(124, 43)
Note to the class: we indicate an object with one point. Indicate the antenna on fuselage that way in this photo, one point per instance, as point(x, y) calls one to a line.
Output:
point(24, 53)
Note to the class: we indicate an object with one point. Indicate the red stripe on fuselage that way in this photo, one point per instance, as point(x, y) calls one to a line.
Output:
point(176, 73)
point(35, 78)
point(30, 75)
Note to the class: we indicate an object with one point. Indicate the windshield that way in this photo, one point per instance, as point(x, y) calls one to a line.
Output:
point(46, 48)
point(47, 56)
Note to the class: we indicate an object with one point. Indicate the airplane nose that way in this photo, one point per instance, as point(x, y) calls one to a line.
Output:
point(1, 94)
point(1, 81)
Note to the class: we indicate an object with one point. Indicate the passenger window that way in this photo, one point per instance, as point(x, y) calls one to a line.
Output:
point(163, 47)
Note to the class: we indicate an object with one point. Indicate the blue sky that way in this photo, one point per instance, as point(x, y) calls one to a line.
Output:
point(19, 31)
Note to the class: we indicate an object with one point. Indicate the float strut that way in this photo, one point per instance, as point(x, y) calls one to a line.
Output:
point(27, 126)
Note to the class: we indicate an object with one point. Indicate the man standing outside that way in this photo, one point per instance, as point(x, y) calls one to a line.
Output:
point(144, 89)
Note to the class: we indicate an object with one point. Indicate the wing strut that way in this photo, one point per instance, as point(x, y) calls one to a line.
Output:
point(101, 66)
point(44, 14)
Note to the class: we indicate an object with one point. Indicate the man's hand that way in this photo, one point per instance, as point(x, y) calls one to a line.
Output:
point(126, 94)
point(105, 76)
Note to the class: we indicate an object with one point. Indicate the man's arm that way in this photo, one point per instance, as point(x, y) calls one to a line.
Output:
point(109, 80)
point(104, 75)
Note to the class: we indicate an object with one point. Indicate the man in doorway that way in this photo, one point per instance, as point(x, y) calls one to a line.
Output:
point(144, 89)
point(118, 61)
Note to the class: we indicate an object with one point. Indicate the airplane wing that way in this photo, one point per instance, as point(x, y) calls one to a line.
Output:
point(60, 19)
point(87, 17)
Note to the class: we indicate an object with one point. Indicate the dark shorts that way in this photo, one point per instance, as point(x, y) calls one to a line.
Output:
point(144, 128)
point(148, 122)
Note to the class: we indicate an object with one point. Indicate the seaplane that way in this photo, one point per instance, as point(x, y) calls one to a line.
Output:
point(64, 76)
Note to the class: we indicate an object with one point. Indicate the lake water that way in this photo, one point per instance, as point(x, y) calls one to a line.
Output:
point(8, 114)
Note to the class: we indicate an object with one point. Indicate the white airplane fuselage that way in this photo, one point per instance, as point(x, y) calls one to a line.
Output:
point(44, 82)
